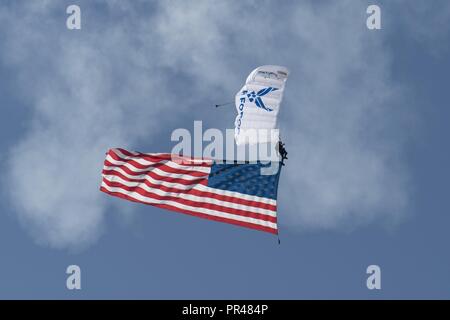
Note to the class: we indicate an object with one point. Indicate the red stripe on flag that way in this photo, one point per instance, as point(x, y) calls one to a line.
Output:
point(192, 161)
point(156, 176)
point(159, 165)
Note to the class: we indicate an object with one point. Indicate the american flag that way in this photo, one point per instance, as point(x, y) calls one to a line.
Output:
point(233, 193)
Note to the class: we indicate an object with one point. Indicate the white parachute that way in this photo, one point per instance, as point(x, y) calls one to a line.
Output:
point(258, 104)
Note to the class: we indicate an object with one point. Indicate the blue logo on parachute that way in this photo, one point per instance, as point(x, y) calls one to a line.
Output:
point(256, 97)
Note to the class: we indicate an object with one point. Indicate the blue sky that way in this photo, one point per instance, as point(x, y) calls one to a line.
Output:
point(364, 118)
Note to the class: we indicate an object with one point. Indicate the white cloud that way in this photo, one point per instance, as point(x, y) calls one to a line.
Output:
point(88, 92)
point(103, 87)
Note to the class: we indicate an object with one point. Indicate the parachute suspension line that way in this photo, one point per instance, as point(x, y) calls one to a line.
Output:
point(224, 104)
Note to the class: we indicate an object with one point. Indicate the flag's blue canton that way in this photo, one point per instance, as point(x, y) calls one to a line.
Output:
point(244, 178)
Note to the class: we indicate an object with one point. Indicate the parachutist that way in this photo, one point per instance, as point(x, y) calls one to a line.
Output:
point(282, 151)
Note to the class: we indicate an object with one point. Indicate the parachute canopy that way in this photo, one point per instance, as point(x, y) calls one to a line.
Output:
point(258, 104)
